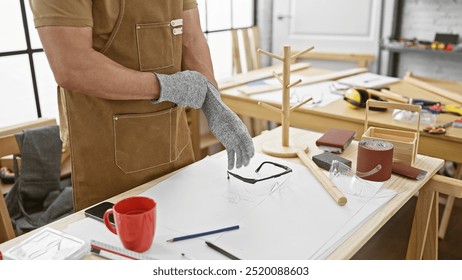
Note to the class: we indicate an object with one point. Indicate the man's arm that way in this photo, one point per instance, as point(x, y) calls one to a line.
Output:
point(77, 66)
point(196, 52)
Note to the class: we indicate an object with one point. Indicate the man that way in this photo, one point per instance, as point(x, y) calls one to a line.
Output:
point(120, 70)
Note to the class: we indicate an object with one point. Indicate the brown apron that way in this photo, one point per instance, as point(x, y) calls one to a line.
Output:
point(117, 145)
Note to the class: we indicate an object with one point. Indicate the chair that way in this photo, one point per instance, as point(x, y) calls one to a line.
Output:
point(8, 147)
point(245, 43)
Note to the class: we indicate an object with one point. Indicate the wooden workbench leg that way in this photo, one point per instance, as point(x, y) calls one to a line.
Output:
point(6, 228)
point(448, 206)
point(431, 242)
point(423, 217)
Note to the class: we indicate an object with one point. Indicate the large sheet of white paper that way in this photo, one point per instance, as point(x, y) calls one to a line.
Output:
point(301, 221)
point(289, 217)
point(201, 198)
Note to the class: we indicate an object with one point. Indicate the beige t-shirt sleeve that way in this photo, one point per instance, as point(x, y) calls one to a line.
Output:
point(62, 12)
point(189, 4)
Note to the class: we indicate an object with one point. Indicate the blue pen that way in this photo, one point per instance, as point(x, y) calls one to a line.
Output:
point(202, 234)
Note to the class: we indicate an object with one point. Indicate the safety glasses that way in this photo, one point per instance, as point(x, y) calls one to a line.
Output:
point(253, 180)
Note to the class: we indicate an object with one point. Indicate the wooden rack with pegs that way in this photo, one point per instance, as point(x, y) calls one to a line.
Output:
point(291, 148)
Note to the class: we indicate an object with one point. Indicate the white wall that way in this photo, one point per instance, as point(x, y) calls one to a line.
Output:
point(422, 19)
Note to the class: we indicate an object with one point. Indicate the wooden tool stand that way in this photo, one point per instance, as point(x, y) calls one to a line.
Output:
point(405, 143)
point(292, 148)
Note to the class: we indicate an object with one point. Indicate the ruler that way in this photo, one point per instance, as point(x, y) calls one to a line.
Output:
point(116, 253)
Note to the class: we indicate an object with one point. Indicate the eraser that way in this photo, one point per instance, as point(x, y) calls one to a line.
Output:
point(324, 160)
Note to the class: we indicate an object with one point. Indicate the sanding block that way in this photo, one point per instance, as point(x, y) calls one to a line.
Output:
point(324, 160)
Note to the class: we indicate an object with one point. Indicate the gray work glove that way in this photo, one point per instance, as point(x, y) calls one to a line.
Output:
point(186, 88)
point(228, 129)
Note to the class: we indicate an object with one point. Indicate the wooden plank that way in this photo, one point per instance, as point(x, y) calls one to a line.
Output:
point(8, 146)
point(258, 74)
point(454, 96)
point(307, 80)
point(361, 59)
point(20, 127)
point(446, 185)
point(248, 49)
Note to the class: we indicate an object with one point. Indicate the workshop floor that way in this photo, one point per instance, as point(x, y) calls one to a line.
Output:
point(390, 243)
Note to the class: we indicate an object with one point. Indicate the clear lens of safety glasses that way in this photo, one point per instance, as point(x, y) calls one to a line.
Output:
point(350, 182)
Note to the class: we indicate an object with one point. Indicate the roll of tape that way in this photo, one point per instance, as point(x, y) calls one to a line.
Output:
point(372, 152)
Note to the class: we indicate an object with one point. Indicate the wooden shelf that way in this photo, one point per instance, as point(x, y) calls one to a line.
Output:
point(396, 50)
point(402, 49)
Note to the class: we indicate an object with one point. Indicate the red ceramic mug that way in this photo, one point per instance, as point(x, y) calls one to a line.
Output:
point(135, 222)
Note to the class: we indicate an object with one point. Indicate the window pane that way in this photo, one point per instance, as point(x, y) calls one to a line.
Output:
point(46, 87)
point(16, 90)
point(220, 50)
point(11, 27)
point(218, 15)
point(202, 13)
point(242, 13)
point(34, 38)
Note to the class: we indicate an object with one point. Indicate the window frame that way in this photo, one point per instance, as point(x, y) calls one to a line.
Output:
point(29, 51)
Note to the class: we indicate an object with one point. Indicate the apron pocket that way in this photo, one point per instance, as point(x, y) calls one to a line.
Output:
point(155, 46)
point(144, 141)
point(181, 136)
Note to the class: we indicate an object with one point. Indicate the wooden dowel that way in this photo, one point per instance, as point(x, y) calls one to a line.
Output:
point(301, 52)
point(277, 110)
point(389, 95)
point(330, 187)
point(301, 104)
point(271, 54)
point(276, 75)
point(294, 83)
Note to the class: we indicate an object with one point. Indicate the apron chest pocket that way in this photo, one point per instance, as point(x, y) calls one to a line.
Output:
point(145, 141)
point(155, 46)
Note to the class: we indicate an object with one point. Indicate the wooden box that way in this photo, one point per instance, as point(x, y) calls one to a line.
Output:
point(405, 143)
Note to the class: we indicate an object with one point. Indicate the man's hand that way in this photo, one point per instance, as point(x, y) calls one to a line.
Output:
point(186, 88)
point(228, 129)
